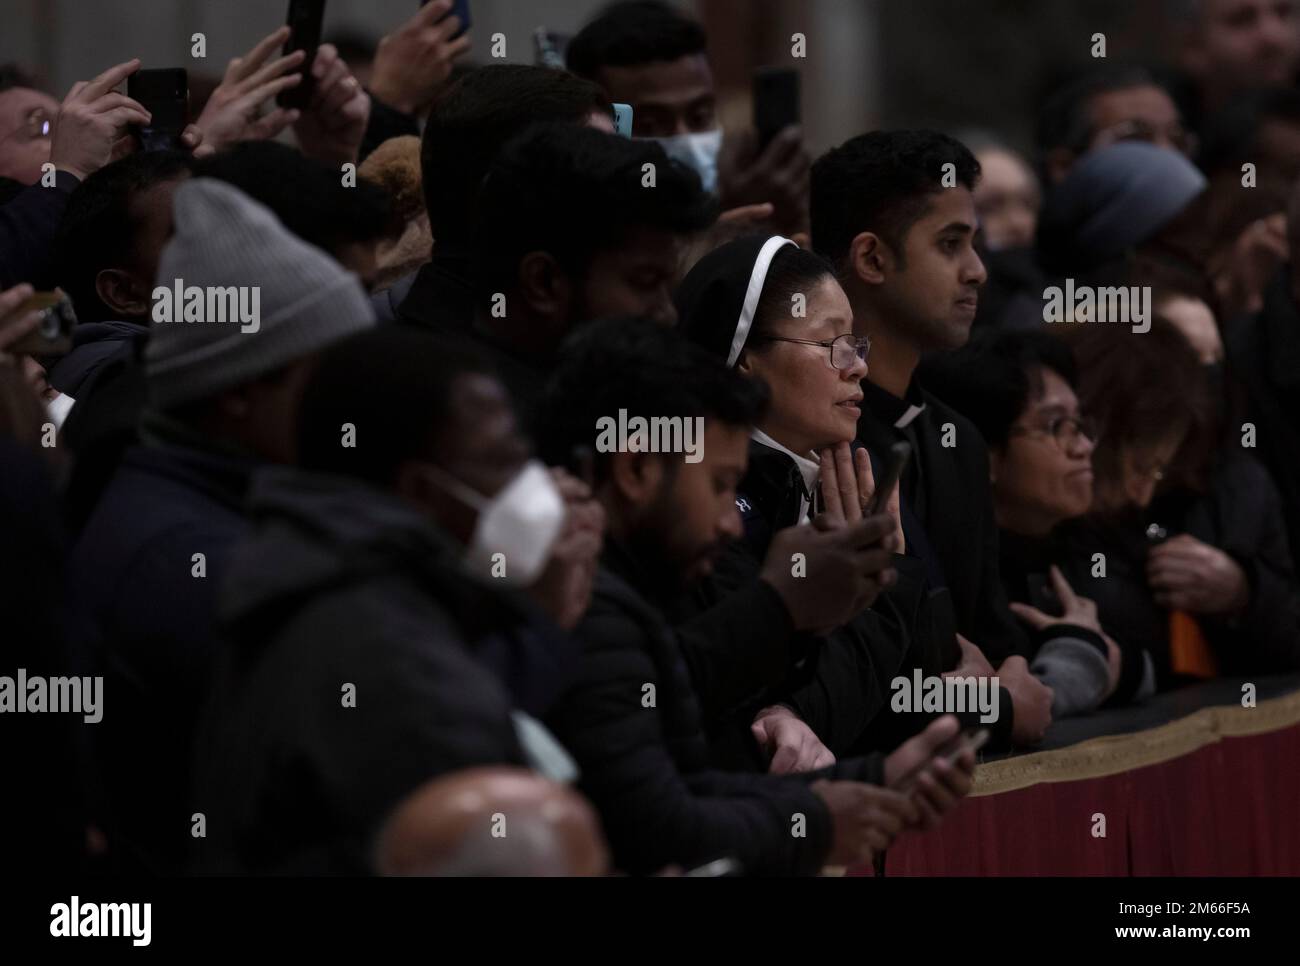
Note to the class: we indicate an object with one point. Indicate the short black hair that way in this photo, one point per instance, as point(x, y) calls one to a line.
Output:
point(477, 115)
point(306, 194)
point(1064, 120)
point(996, 375)
point(881, 182)
point(365, 380)
point(97, 230)
point(649, 370)
point(634, 32)
point(574, 191)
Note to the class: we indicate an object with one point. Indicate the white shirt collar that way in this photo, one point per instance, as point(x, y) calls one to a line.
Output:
point(809, 468)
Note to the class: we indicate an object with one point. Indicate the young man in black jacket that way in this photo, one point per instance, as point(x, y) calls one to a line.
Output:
point(893, 211)
point(632, 716)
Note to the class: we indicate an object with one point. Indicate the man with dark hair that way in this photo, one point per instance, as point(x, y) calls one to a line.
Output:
point(108, 245)
point(1103, 105)
point(633, 715)
point(575, 225)
point(465, 131)
point(650, 55)
point(893, 211)
point(310, 200)
point(375, 570)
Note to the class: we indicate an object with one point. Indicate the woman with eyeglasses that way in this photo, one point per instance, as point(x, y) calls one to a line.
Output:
point(1019, 388)
point(776, 312)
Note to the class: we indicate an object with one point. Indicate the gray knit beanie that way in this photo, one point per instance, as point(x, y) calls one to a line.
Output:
point(234, 251)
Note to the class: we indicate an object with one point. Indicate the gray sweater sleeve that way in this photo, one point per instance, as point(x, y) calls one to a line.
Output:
point(1075, 671)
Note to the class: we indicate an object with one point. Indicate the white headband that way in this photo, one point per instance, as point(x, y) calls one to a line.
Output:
point(756, 279)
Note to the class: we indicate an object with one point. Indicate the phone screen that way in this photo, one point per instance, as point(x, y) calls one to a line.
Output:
point(165, 94)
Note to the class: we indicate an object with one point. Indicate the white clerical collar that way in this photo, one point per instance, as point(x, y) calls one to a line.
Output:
point(810, 469)
point(912, 412)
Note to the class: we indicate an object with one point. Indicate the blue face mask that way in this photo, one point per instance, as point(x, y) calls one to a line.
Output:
point(698, 152)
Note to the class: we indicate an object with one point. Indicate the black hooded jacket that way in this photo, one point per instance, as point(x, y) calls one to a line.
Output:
point(345, 589)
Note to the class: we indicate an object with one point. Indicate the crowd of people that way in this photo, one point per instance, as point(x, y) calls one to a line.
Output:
point(370, 589)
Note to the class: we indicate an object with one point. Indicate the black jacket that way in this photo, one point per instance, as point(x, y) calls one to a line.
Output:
point(948, 522)
point(28, 223)
point(44, 807)
point(837, 684)
point(342, 586)
point(1264, 353)
point(632, 719)
point(150, 618)
point(441, 301)
point(1239, 515)
point(947, 488)
point(96, 347)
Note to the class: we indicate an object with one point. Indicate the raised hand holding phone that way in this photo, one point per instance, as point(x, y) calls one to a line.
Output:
point(414, 62)
point(232, 112)
point(333, 125)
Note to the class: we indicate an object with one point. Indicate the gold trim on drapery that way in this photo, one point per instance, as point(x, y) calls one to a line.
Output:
point(1112, 754)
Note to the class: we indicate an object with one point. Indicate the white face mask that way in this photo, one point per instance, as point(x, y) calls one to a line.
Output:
point(520, 523)
point(697, 151)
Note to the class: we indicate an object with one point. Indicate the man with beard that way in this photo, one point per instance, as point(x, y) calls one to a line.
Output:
point(631, 716)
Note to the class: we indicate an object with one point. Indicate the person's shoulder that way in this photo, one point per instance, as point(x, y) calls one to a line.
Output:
point(968, 442)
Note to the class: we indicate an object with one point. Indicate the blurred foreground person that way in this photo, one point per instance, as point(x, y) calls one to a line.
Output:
point(492, 822)
point(393, 615)
point(145, 570)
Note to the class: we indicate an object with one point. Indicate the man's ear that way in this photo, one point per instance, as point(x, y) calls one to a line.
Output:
point(544, 285)
point(120, 291)
point(636, 477)
point(870, 259)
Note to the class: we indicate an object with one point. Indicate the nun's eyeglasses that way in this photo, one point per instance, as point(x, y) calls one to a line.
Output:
point(844, 348)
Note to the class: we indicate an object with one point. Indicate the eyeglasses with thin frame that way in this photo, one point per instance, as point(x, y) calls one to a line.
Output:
point(1064, 430)
point(843, 348)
